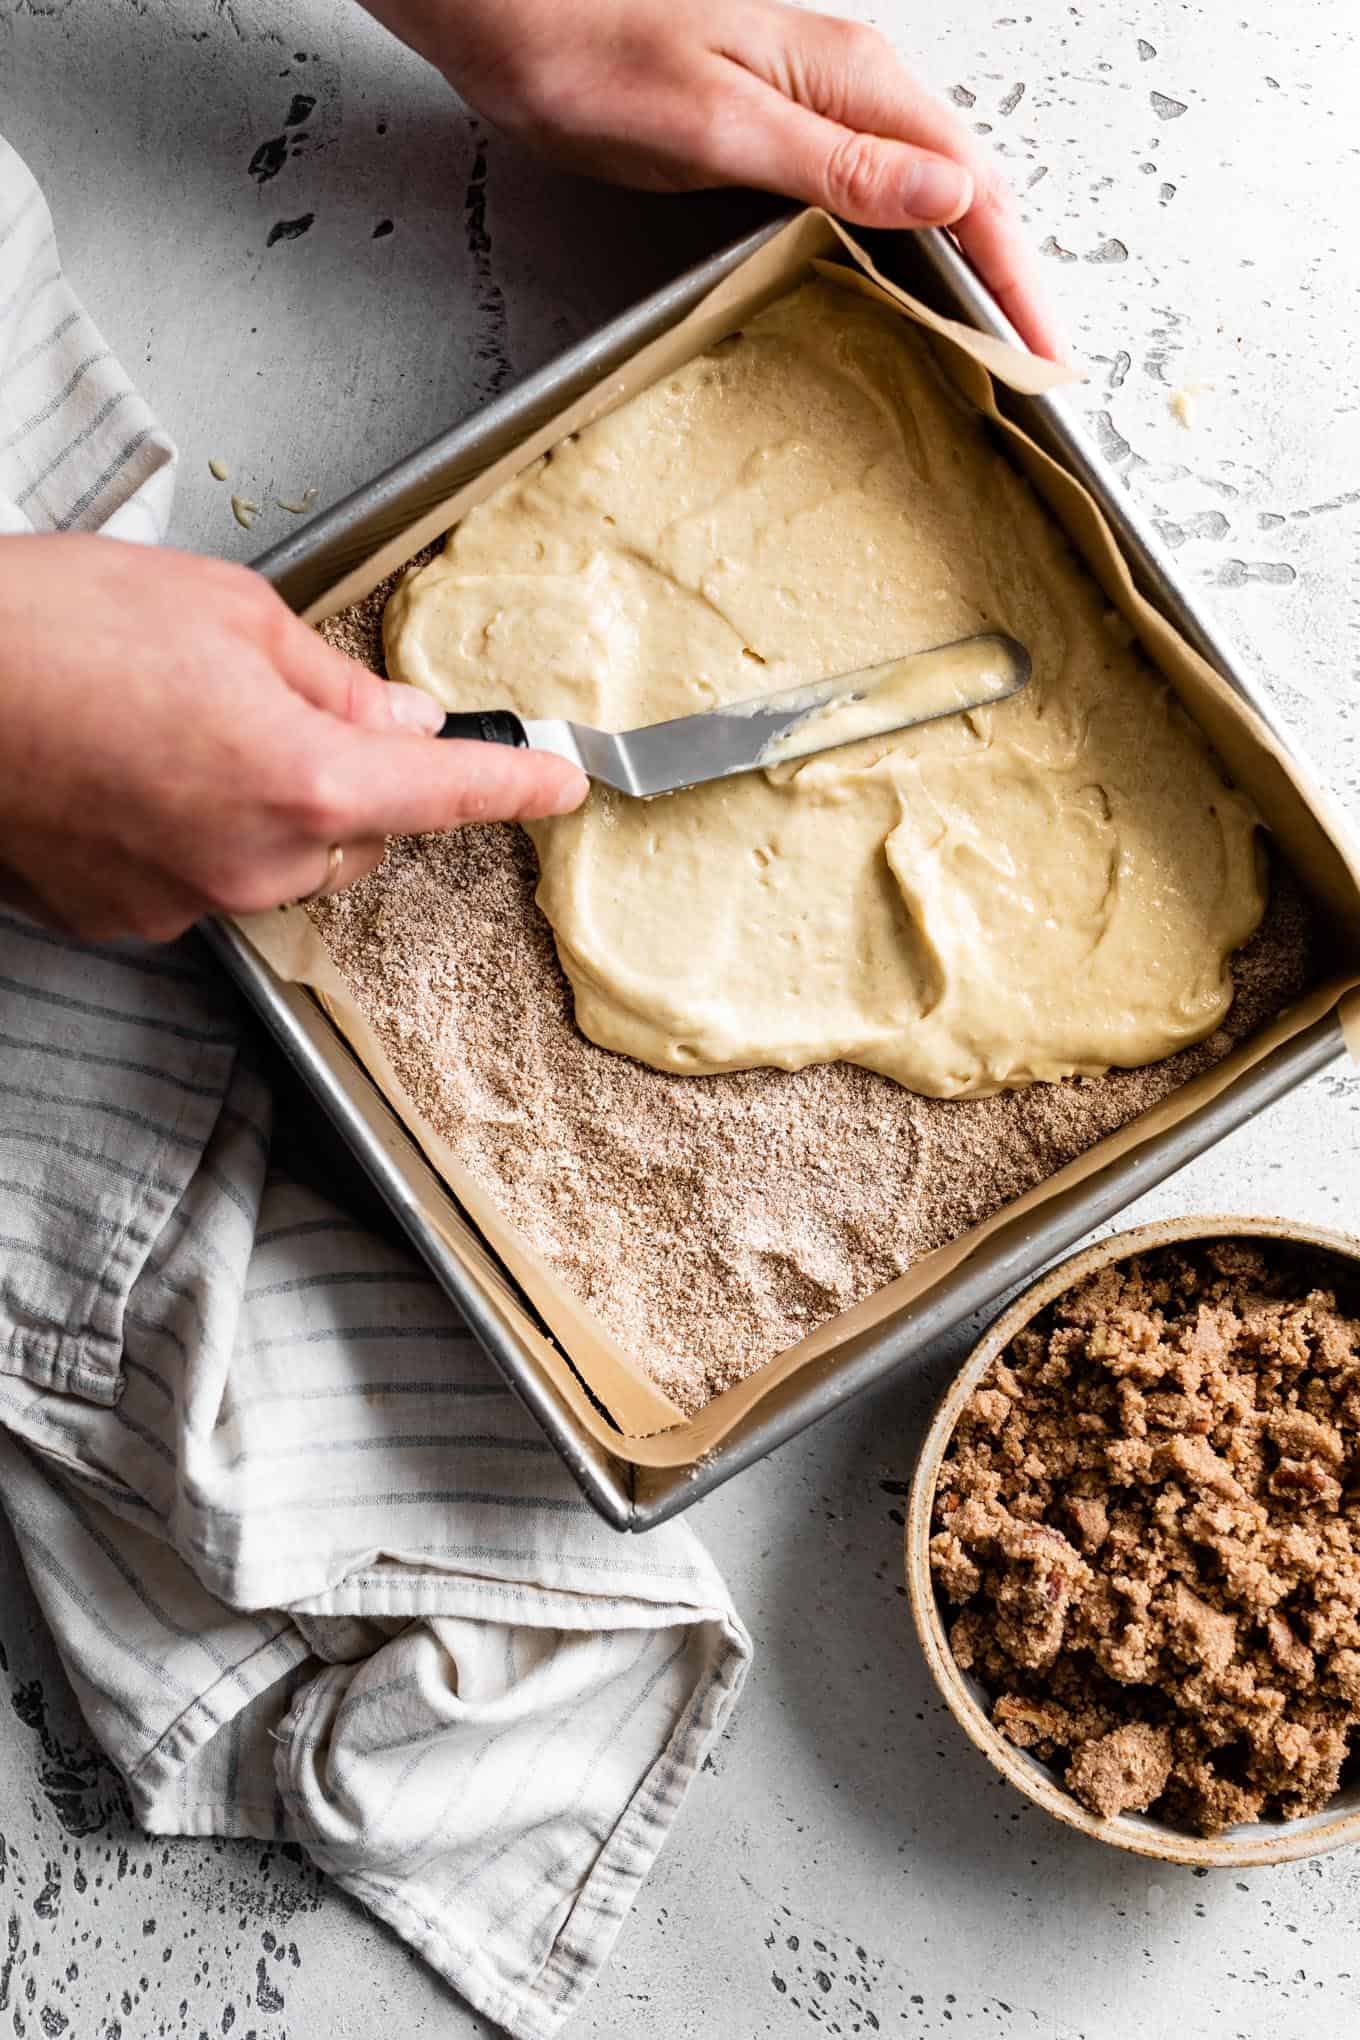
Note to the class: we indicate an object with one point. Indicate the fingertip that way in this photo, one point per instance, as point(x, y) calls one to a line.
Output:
point(412, 709)
point(494, 783)
point(567, 794)
point(1053, 344)
point(937, 191)
point(1034, 321)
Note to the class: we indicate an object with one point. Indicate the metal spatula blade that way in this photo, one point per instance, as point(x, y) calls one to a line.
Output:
point(772, 729)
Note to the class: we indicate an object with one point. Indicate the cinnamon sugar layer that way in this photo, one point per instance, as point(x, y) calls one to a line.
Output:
point(709, 1222)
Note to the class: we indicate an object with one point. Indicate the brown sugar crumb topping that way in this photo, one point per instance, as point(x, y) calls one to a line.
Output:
point(1149, 1522)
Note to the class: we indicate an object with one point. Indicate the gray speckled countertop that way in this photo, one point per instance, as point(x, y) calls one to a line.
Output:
point(311, 259)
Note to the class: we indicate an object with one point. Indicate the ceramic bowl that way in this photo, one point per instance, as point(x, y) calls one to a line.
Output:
point(1259, 1842)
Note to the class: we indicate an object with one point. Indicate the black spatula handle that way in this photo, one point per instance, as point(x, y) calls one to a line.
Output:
point(486, 726)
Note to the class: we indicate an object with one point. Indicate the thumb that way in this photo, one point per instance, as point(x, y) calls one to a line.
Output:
point(867, 179)
point(378, 783)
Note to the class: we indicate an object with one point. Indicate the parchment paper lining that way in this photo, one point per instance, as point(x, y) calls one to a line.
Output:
point(1306, 822)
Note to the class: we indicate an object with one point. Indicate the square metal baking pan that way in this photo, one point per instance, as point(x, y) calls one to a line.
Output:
point(309, 563)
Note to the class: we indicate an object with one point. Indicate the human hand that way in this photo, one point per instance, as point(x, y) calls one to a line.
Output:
point(678, 97)
point(174, 743)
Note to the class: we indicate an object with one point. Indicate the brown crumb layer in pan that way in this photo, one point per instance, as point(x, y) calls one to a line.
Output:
point(708, 1222)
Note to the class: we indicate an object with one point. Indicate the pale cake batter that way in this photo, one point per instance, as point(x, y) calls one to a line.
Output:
point(1050, 885)
point(915, 689)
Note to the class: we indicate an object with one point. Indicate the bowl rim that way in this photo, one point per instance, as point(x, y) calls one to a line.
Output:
point(1259, 1844)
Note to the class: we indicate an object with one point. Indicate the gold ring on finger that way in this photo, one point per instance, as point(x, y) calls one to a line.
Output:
point(330, 882)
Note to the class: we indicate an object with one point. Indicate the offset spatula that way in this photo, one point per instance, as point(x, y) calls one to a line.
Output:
point(771, 729)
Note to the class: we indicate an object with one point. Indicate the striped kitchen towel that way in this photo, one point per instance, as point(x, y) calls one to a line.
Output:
point(312, 1571)
point(79, 450)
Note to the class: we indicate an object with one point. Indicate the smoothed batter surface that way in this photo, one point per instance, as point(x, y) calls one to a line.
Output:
point(1050, 885)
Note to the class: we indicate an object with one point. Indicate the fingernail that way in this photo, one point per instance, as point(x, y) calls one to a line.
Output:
point(570, 794)
point(937, 191)
point(411, 709)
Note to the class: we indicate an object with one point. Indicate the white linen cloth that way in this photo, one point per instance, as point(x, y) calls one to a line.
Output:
point(79, 450)
point(312, 1571)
